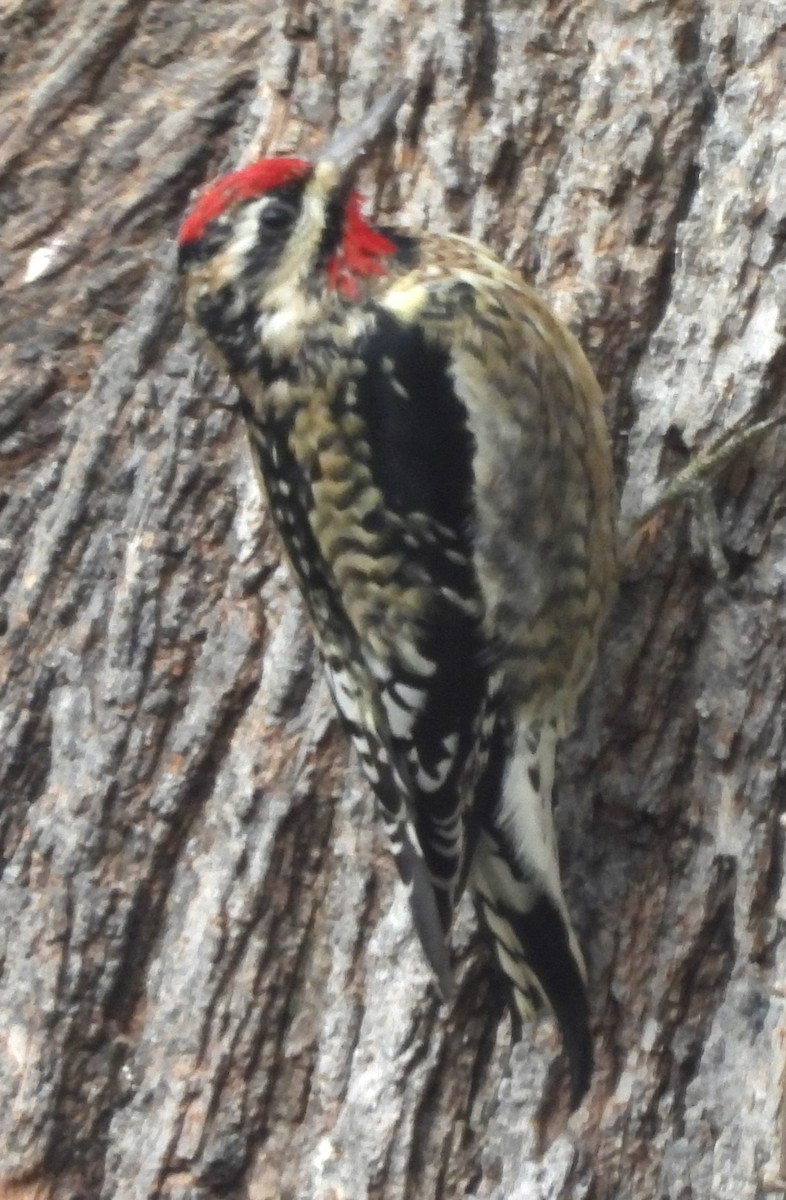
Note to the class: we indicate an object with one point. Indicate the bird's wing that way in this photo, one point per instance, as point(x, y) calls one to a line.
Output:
point(371, 493)
point(395, 490)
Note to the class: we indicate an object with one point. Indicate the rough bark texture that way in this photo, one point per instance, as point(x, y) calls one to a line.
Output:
point(209, 986)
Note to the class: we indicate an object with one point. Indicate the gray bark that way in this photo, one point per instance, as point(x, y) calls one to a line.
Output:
point(208, 981)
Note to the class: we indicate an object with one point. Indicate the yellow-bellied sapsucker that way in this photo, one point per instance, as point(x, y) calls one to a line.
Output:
point(433, 450)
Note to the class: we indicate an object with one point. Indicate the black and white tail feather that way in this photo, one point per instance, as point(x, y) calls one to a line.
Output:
point(503, 842)
point(514, 874)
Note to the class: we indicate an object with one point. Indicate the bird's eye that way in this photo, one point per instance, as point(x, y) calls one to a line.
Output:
point(276, 215)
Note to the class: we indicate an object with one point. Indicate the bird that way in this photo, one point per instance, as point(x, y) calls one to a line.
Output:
point(431, 444)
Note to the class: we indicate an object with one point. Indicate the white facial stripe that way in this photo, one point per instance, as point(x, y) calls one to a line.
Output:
point(300, 247)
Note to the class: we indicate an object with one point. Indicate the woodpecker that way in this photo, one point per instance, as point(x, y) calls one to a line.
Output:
point(431, 444)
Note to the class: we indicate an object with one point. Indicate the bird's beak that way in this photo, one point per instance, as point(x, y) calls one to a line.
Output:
point(346, 149)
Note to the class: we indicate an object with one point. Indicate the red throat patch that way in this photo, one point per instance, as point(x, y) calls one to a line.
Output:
point(362, 251)
point(246, 184)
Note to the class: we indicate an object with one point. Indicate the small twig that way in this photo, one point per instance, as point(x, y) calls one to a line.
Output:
point(692, 483)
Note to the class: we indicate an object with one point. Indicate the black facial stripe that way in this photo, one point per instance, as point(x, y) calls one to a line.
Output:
point(333, 232)
point(190, 254)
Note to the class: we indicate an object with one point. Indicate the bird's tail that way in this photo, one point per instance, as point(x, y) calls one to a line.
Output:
point(514, 875)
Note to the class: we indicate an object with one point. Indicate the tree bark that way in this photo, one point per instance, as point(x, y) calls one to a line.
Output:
point(209, 985)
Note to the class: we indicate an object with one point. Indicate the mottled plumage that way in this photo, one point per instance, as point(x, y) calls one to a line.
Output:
point(432, 447)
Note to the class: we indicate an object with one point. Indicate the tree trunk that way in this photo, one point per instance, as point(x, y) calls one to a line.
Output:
point(209, 985)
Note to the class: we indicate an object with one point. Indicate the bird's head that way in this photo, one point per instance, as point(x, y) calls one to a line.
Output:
point(285, 226)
